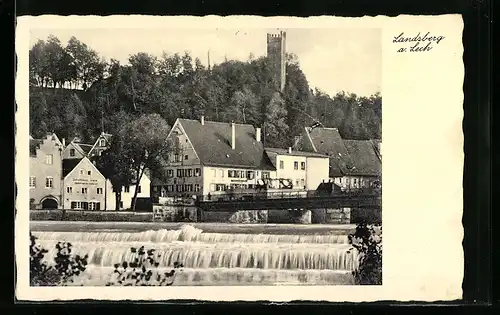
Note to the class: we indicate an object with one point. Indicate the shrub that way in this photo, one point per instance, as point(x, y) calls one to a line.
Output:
point(369, 246)
point(66, 266)
point(142, 271)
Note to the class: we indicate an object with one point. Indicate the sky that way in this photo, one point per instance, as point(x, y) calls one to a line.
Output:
point(333, 60)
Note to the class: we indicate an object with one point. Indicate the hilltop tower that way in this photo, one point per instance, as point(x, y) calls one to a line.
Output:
point(276, 52)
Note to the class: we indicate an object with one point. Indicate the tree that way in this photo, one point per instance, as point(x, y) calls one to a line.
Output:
point(87, 64)
point(145, 146)
point(115, 166)
point(275, 122)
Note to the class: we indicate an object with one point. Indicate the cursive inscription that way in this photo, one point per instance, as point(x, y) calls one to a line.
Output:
point(417, 43)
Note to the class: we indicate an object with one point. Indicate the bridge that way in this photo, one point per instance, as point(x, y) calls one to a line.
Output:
point(286, 201)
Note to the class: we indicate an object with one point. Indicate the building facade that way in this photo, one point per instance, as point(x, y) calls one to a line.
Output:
point(127, 194)
point(46, 173)
point(304, 170)
point(85, 188)
point(211, 158)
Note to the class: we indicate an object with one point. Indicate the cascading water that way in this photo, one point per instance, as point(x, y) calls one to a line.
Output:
point(216, 258)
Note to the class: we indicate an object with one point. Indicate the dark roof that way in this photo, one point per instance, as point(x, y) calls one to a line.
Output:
point(328, 141)
point(212, 143)
point(34, 144)
point(295, 153)
point(68, 165)
point(364, 156)
point(85, 147)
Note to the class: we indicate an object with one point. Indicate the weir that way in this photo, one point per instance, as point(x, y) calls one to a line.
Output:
point(217, 258)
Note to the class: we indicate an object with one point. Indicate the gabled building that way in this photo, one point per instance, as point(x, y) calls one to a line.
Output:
point(76, 150)
point(212, 157)
point(353, 163)
point(85, 188)
point(45, 172)
point(102, 143)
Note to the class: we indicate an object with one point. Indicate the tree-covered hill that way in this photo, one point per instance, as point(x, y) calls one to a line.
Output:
point(74, 92)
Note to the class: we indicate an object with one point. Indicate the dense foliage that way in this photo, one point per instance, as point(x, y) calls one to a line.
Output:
point(368, 242)
point(75, 93)
point(65, 268)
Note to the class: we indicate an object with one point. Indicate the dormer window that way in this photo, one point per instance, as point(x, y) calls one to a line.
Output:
point(102, 143)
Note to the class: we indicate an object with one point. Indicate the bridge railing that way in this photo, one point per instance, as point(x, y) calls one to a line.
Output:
point(266, 195)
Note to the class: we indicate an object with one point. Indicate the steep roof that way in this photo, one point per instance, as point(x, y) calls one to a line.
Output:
point(68, 165)
point(328, 141)
point(364, 156)
point(212, 144)
point(85, 147)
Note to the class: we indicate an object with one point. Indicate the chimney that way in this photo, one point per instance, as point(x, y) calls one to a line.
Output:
point(289, 150)
point(257, 134)
point(202, 120)
point(64, 142)
point(233, 135)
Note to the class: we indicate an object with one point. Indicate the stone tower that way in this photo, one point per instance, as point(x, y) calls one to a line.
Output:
point(276, 52)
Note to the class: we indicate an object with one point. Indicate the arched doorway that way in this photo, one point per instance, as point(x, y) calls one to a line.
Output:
point(49, 203)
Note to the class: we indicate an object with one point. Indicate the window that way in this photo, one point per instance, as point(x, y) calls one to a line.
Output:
point(99, 191)
point(81, 172)
point(94, 206)
point(282, 165)
point(220, 187)
point(179, 173)
point(230, 174)
point(170, 173)
point(102, 143)
point(197, 172)
point(196, 187)
point(221, 173)
point(84, 190)
point(71, 152)
point(175, 181)
point(49, 159)
point(73, 204)
point(186, 157)
point(49, 182)
point(32, 181)
point(302, 165)
point(295, 165)
point(126, 189)
point(170, 188)
point(139, 189)
point(297, 182)
point(266, 175)
point(69, 190)
point(178, 188)
point(355, 181)
point(190, 172)
point(250, 175)
point(89, 172)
